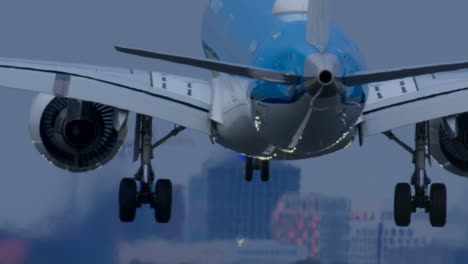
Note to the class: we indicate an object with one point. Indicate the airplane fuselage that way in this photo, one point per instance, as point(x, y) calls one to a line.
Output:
point(279, 121)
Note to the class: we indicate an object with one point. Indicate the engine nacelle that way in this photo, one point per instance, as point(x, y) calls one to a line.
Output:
point(76, 135)
point(449, 143)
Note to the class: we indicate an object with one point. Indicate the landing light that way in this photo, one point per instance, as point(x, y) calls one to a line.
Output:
point(290, 151)
point(257, 123)
point(240, 241)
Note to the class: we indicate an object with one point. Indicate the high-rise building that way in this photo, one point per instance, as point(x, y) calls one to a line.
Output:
point(376, 239)
point(318, 222)
point(406, 245)
point(364, 248)
point(222, 205)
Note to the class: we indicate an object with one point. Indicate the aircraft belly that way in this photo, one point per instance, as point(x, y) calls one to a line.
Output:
point(238, 133)
point(305, 129)
point(235, 127)
point(289, 130)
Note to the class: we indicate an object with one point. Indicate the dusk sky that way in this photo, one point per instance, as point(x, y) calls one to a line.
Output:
point(389, 33)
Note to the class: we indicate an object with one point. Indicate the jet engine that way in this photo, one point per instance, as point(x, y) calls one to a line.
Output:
point(76, 135)
point(449, 143)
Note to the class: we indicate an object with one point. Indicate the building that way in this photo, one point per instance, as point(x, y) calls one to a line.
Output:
point(216, 252)
point(376, 239)
point(364, 248)
point(407, 244)
point(223, 206)
point(318, 222)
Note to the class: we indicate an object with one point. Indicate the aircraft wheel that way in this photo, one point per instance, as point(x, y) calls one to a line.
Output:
point(248, 172)
point(402, 204)
point(163, 203)
point(265, 170)
point(438, 207)
point(127, 199)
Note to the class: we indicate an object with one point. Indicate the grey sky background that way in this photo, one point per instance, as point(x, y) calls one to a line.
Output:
point(389, 33)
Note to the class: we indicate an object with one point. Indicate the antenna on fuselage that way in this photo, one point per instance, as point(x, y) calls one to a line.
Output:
point(318, 24)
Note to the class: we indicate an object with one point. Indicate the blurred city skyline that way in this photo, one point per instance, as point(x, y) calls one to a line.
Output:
point(35, 196)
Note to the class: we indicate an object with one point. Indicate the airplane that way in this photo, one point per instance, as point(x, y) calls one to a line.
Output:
point(286, 85)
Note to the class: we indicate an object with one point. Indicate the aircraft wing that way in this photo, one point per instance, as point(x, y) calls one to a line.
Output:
point(181, 100)
point(395, 103)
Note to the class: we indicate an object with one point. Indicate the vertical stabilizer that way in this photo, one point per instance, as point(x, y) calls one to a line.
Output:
point(318, 24)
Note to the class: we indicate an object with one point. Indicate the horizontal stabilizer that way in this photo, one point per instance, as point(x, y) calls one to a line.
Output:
point(373, 77)
point(286, 78)
point(241, 70)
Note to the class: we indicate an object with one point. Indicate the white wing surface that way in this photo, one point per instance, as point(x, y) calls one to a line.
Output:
point(400, 102)
point(181, 100)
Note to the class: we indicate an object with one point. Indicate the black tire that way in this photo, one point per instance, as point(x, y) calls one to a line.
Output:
point(402, 204)
point(265, 170)
point(127, 200)
point(163, 203)
point(438, 208)
point(248, 172)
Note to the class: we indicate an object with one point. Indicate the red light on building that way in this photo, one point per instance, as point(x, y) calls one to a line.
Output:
point(297, 225)
point(300, 242)
point(300, 224)
point(12, 251)
point(316, 218)
point(313, 242)
point(316, 234)
point(276, 216)
point(313, 225)
point(278, 235)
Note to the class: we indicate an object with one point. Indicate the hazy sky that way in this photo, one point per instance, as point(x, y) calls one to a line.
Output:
point(389, 33)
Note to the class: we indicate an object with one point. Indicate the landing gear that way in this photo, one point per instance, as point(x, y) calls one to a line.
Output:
point(438, 208)
point(433, 202)
point(130, 196)
point(252, 164)
point(265, 170)
point(163, 204)
point(249, 168)
point(127, 200)
point(402, 205)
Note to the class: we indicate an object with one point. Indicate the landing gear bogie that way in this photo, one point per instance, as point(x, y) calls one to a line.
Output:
point(130, 198)
point(253, 164)
point(434, 201)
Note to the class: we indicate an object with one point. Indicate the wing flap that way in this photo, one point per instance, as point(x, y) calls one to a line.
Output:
point(181, 100)
point(408, 101)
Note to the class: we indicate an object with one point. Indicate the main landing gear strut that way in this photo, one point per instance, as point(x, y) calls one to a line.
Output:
point(433, 201)
point(252, 164)
point(130, 196)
